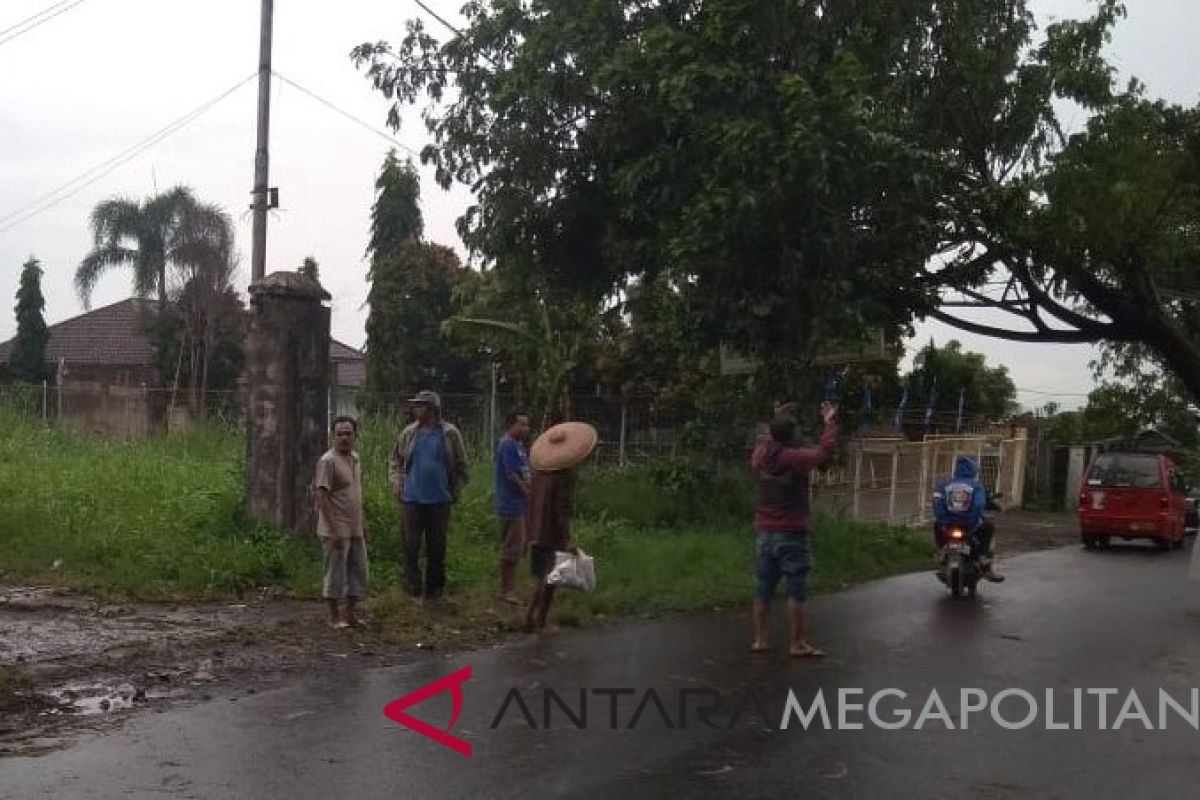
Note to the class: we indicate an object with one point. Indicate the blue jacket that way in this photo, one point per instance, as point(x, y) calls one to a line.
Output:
point(962, 499)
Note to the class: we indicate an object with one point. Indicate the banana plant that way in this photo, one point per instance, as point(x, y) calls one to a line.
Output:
point(547, 357)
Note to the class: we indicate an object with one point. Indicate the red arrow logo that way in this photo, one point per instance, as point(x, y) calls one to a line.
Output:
point(453, 682)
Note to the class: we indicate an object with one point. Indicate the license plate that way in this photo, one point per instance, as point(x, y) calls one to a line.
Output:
point(1098, 501)
point(954, 546)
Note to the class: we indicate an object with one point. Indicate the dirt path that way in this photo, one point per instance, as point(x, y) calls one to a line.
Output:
point(1024, 532)
point(70, 664)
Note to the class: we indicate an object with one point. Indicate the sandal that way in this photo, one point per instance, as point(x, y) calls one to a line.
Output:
point(809, 652)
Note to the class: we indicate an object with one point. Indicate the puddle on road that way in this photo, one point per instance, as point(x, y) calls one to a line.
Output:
point(90, 699)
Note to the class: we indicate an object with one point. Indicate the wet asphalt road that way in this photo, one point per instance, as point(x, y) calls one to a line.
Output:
point(1126, 619)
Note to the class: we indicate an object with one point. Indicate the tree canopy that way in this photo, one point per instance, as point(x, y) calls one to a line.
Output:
point(949, 375)
point(802, 170)
point(411, 294)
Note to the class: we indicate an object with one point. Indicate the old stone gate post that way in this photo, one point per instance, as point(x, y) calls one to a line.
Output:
point(287, 370)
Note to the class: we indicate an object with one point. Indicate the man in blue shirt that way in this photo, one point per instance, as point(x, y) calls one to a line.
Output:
point(512, 493)
point(428, 470)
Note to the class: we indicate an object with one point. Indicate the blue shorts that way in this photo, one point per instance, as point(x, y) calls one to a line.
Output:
point(783, 555)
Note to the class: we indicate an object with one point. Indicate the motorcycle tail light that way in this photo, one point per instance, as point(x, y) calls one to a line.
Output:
point(956, 533)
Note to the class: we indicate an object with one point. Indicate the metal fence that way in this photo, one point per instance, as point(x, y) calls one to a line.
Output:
point(893, 480)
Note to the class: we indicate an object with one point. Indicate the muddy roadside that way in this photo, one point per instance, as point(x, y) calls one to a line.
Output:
point(70, 664)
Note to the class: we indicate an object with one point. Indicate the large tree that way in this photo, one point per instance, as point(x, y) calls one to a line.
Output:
point(412, 284)
point(816, 167)
point(28, 358)
point(608, 140)
point(949, 374)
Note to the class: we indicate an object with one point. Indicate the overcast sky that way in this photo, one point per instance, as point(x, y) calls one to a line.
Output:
point(106, 74)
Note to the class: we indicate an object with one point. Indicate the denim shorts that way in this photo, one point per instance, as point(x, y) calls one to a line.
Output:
point(783, 555)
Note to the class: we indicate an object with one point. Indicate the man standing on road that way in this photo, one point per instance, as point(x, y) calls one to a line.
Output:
point(341, 524)
point(512, 494)
point(428, 470)
point(781, 520)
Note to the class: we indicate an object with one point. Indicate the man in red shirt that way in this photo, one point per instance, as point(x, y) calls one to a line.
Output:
point(781, 469)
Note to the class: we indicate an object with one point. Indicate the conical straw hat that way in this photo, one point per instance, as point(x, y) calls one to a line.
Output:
point(564, 446)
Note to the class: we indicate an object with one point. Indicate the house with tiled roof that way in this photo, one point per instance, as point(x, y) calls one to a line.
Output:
point(110, 345)
point(110, 385)
point(106, 344)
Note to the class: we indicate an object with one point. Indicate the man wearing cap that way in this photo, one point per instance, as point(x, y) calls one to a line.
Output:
point(555, 457)
point(428, 470)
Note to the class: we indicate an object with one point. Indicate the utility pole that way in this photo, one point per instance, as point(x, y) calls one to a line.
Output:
point(258, 259)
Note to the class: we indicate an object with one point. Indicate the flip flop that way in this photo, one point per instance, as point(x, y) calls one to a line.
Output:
point(809, 652)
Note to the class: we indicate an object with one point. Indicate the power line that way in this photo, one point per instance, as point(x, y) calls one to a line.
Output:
point(24, 26)
point(1052, 394)
point(433, 14)
point(90, 176)
point(33, 17)
point(357, 120)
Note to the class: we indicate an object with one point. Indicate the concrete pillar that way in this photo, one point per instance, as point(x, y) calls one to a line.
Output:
point(287, 376)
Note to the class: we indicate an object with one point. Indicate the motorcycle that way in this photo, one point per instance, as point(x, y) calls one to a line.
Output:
point(959, 567)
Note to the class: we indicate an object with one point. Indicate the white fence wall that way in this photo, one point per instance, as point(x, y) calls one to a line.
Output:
point(892, 480)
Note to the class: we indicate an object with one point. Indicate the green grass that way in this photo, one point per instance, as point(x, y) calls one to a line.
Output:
point(162, 519)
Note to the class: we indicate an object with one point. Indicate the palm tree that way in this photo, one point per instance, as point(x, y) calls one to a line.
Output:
point(170, 230)
point(145, 236)
point(204, 259)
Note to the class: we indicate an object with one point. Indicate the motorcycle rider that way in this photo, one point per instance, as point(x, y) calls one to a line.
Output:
point(962, 500)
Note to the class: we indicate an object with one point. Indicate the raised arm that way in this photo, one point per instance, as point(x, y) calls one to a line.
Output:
point(806, 459)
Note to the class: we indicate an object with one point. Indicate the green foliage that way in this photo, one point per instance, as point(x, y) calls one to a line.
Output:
point(668, 494)
point(410, 297)
point(1136, 394)
point(396, 215)
point(219, 354)
point(146, 237)
point(541, 340)
point(163, 518)
point(800, 170)
point(172, 229)
point(989, 390)
point(28, 359)
point(412, 285)
point(157, 519)
point(748, 150)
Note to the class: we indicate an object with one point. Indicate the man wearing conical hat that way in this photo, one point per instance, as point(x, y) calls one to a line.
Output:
point(555, 458)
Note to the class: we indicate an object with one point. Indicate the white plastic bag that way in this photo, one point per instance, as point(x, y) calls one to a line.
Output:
point(573, 571)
